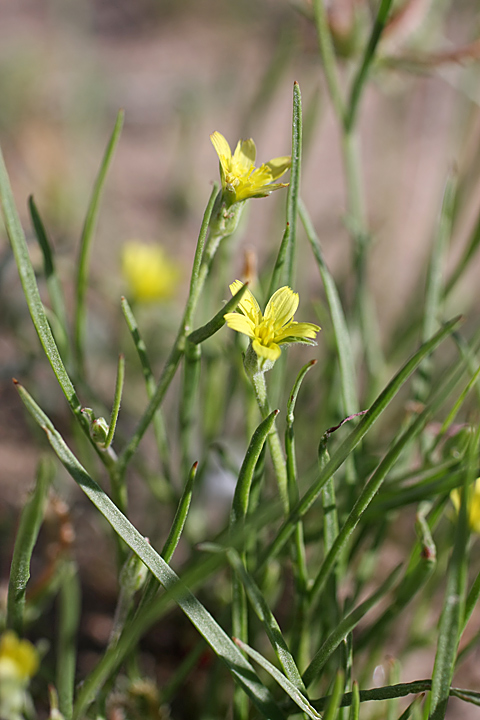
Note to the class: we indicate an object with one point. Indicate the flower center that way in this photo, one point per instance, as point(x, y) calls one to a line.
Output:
point(265, 332)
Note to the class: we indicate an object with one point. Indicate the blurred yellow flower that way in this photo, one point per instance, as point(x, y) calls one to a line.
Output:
point(150, 273)
point(276, 327)
point(240, 179)
point(473, 505)
point(18, 658)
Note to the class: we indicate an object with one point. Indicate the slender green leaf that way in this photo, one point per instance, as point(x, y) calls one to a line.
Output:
point(180, 517)
point(218, 321)
point(116, 400)
point(30, 289)
point(194, 610)
point(342, 337)
point(28, 529)
point(291, 690)
point(268, 621)
point(453, 606)
point(346, 626)
point(355, 437)
point(173, 360)
point(368, 56)
point(158, 420)
point(371, 488)
point(87, 238)
point(55, 292)
point(284, 270)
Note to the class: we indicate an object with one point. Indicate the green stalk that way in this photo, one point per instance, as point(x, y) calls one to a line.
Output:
point(196, 284)
point(28, 529)
point(158, 420)
point(237, 522)
point(274, 443)
point(68, 621)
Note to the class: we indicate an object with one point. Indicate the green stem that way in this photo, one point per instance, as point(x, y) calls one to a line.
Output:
point(69, 615)
point(327, 53)
point(273, 439)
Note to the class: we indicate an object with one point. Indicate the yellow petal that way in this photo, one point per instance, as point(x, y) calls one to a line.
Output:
point(278, 166)
point(282, 306)
point(240, 323)
point(243, 159)
point(272, 352)
point(222, 148)
point(298, 330)
point(248, 305)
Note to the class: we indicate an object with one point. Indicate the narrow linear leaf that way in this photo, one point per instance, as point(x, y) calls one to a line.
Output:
point(28, 529)
point(339, 457)
point(218, 321)
point(291, 690)
point(368, 56)
point(177, 350)
point(180, 517)
point(30, 288)
point(342, 336)
point(346, 626)
point(54, 286)
point(453, 607)
point(116, 400)
point(158, 420)
point(284, 270)
point(371, 488)
point(336, 697)
point(87, 238)
point(194, 610)
point(268, 621)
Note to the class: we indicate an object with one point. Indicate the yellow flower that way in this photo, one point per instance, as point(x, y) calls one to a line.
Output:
point(18, 658)
point(240, 179)
point(150, 273)
point(473, 505)
point(276, 327)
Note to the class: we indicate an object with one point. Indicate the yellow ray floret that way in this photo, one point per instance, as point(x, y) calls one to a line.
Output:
point(275, 327)
point(18, 658)
point(473, 505)
point(150, 273)
point(240, 179)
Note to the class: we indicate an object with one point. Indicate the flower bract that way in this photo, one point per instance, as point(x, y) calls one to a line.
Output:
point(240, 179)
point(473, 505)
point(273, 328)
point(150, 273)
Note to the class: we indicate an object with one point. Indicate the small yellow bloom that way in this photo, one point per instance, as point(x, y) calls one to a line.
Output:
point(473, 505)
point(240, 179)
point(276, 327)
point(18, 658)
point(150, 273)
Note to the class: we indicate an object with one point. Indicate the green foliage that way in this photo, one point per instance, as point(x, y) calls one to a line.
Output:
point(297, 564)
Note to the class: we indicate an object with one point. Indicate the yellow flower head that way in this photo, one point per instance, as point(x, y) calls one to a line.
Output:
point(240, 179)
point(473, 510)
point(150, 273)
point(276, 327)
point(18, 659)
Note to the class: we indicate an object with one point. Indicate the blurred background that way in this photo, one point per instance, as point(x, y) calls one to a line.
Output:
point(182, 70)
